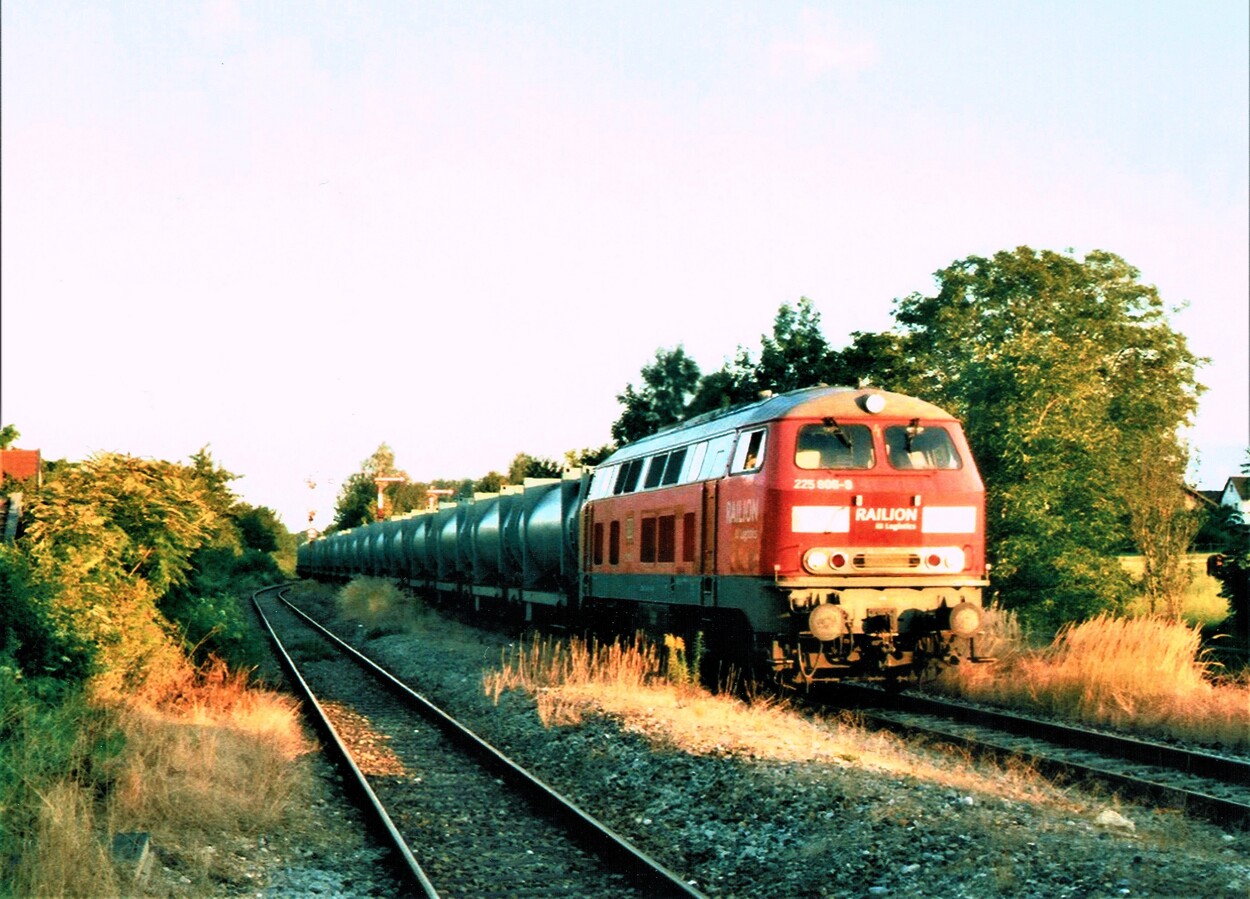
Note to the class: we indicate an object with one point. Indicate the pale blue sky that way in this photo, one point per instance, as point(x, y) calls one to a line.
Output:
point(296, 230)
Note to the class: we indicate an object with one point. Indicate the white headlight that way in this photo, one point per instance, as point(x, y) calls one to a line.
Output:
point(816, 560)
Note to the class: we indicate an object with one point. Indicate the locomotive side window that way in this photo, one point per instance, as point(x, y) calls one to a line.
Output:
point(672, 471)
point(920, 448)
point(695, 464)
point(750, 453)
point(687, 537)
point(598, 543)
point(716, 461)
point(614, 543)
point(655, 471)
point(601, 482)
point(627, 480)
point(646, 549)
point(666, 551)
point(831, 445)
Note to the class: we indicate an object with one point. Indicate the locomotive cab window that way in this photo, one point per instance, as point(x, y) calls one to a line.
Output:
point(830, 445)
point(749, 455)
point(920, 448)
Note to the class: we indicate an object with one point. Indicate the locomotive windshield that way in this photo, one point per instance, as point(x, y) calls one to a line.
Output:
point(833, 446)
point(915, 447)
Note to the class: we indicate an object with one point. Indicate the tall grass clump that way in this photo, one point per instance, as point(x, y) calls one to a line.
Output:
point(66, 858)
point(218, 760)
point(379, 605)
point(1144, 674)
point(680, 669)
point(559, 673)
point(56, 752)
point(216, 757)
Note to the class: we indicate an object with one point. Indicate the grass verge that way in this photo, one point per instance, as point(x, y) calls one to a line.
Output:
point(1145, 675)
point(203, 766)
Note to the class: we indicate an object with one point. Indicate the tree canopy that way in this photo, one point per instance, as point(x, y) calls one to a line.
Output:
point(1067, 375)
point(668, 383)
point(125, 564)
point(357, 502)
point(796, 354)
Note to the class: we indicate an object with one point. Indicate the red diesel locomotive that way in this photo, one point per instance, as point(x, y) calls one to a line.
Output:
point(822, 532)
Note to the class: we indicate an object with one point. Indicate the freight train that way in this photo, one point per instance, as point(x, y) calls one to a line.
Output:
point(819, 534)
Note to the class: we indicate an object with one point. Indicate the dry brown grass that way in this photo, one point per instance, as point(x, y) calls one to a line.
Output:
point(66, 857)
point(207, 762)
point(558, 673)
point(571, 680)
point(1141, 674)
point(216, 757)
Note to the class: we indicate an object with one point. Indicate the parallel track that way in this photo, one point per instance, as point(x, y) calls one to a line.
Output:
point(1202, 783)
point(461, 817)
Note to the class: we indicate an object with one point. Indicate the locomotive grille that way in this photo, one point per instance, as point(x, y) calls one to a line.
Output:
point(885, 560)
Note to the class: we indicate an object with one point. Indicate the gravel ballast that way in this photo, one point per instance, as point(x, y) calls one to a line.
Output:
point(747, 825)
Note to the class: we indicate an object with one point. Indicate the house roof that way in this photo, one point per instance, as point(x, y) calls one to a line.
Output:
point(19, 464)
point(1241, 485)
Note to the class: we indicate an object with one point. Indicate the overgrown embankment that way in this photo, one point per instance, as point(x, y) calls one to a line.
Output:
point(120, 623)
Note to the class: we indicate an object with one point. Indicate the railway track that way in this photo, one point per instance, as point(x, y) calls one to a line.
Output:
point(1201, 783)
point(462, 819)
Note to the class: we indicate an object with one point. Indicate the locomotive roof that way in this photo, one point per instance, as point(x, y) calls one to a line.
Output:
point(841, 403)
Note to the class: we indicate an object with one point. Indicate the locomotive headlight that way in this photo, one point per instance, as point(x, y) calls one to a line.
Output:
point(816, 560)
point(874, 403)
point(827, 622)
point(965, 619)
point(945, 558)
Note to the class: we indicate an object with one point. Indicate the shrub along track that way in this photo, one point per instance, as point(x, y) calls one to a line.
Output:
point(463, 819)
point(1216, 787)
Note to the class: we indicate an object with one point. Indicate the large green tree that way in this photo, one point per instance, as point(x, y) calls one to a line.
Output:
point(357, 502)
point(1064, 371)
point(526, 466)
point(796, 354)
point(668, 383)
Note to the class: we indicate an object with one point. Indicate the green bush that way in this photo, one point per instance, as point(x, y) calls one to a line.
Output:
point(32, 638)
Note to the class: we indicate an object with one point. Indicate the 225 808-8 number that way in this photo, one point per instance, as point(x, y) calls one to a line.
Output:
point(823, 484)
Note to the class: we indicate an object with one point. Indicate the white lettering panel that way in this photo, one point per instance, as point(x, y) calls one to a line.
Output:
point(949, 520)
point(821, 520)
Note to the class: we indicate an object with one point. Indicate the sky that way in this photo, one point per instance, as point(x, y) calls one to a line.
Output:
point(292, 231)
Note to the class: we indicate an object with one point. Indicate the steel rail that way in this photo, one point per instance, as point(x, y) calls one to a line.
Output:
point(410, 870)
point(649, 873)
point(877, 704)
